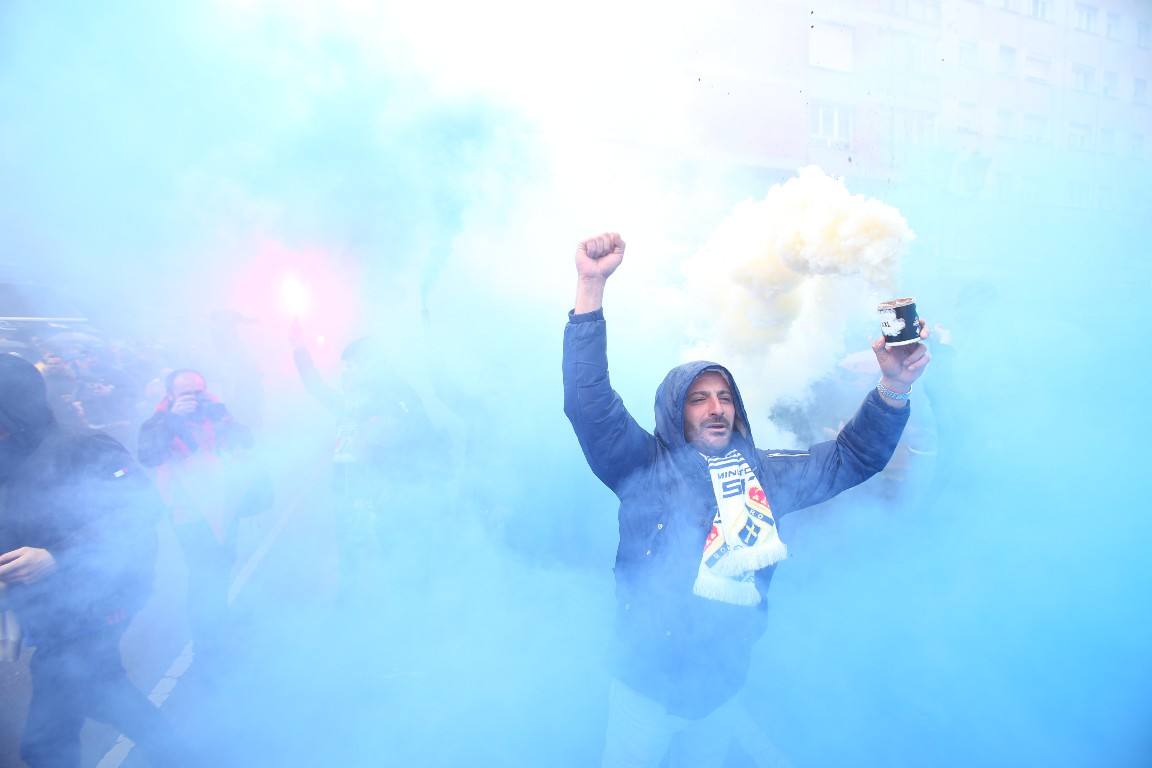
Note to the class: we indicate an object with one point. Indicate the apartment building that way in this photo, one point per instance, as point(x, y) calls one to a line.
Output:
point(995, 90)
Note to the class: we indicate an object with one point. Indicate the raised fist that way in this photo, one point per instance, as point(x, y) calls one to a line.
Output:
point(597, 257)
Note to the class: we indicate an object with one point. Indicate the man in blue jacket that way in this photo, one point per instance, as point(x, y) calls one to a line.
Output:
point(699, 505)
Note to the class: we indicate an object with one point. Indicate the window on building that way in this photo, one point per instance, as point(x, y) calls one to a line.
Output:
point(1084, 18)
point(1037, 191)
point(1106, 140)
point(1112, 26)
point(968, 118)
point(1005, 123)
point(1010, 185)
point(1034, 129)
point(832, 125)
point(1042, 9)
point(902, 54)
point(924, 10)
point(1010, 5)
point(907, 53)
point(1106, 196)
point(1083, 77)
point(1109, 84)
point(1137, 145)
point(1079, 136)
point(913, 126)
point(969, 55)
point(1075, 193)
point(1140, 90)
point(999, 184)
point(830, 46)
point(1144, 34)
point(1037, 69)
point(1007, 61)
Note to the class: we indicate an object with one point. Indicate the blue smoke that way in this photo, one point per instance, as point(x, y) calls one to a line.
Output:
point(991, 615)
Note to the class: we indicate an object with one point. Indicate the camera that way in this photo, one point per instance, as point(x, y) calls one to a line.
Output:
point(212, 410)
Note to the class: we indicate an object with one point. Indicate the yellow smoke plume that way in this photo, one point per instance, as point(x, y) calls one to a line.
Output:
point(775, 289)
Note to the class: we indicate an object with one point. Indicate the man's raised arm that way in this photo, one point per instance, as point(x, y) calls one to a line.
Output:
point(866, 443)
point(613, 443)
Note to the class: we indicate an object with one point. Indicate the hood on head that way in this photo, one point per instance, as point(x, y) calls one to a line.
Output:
point(670, 398)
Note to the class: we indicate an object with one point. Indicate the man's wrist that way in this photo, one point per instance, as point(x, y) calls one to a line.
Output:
point(893, 385)
point(589, 293)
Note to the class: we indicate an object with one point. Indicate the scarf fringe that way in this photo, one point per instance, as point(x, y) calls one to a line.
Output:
point(724, 590)
point(737, 562)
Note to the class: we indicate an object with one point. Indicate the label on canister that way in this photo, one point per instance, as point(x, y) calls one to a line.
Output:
point(899, 321)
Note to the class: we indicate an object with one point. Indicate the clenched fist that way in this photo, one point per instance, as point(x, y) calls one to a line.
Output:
point(597, 257)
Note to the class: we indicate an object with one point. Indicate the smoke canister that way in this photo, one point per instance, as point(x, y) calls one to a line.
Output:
point(899, 322)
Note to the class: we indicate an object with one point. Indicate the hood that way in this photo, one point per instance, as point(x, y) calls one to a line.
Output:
point(670, 403)
point(24, 412)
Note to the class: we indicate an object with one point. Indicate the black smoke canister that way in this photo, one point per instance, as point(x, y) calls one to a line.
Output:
point(899, 322)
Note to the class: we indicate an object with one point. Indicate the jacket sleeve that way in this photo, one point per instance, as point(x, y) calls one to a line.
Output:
point(613, 443)
point(110, 553)
point(862, 449)
point(155, 440)
point(232, 434)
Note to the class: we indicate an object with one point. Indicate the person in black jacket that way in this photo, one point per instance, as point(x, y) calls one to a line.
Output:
point(699, 506)
point(77, 552)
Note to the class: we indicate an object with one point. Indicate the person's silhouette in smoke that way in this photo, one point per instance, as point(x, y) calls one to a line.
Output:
point(205, 475)
point(77, 551)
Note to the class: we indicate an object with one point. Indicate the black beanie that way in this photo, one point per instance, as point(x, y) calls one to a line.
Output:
point(24, 408)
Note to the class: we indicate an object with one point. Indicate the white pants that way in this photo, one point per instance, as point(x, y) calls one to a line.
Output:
point(640, 733)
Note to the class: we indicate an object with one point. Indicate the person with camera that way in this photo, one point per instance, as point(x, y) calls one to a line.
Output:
point(201, 456)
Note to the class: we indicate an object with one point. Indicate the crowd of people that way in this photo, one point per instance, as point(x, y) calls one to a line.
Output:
point(101, 440)
point(77, 556)
point(92, 382)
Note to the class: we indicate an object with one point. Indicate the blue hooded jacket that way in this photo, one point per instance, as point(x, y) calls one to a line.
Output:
point(689, 653)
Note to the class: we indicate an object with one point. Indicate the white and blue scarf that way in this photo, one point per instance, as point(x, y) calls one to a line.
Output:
point(743, 538)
